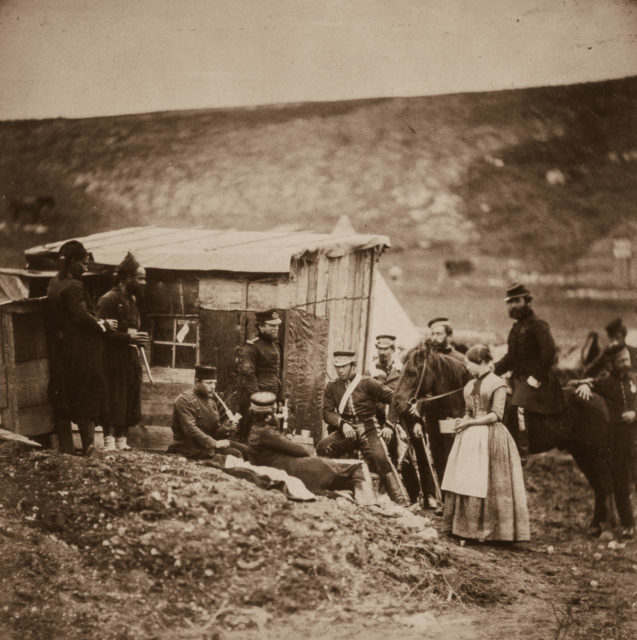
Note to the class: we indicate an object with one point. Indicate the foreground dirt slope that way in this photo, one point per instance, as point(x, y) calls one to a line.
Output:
point(141, 545)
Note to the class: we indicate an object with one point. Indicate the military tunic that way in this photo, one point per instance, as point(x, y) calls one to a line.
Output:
point(620, 394)
point(531, 352)
point(197, 426)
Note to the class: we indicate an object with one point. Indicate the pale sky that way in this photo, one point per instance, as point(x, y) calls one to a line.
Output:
point(77, 58)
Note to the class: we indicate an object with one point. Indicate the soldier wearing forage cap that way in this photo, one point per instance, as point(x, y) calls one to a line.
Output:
point(200, 427)
point(440, 332)
point(349, 409)
point(386, 368)
point(269, 447)
point(122, 360)
point(616, 332)
point(530, 358)
point(259, 364)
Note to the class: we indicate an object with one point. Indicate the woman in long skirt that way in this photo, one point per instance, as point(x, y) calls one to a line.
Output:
point(485, 496)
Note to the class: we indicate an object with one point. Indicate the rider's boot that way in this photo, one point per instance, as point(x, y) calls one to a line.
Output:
point(395, 489)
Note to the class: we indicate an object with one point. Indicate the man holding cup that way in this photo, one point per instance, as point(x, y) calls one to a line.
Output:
point(123, 368)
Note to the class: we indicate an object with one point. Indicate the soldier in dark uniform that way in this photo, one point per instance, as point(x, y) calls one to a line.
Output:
point(616, 332)
point(269, 447)
point(530, 358)
point(349, 409)
point(122, 359)
point(200, 429)
point(77, 388)
point(440, 332)
point(259, 366)
point(618, 387)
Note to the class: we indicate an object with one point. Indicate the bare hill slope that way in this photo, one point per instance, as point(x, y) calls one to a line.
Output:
point(536, 172)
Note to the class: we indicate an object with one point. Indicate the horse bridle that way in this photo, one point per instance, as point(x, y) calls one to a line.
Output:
point(422, 377)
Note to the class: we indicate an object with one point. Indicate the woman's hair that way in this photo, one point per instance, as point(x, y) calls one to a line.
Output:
point(127, 268)
point(479, 353)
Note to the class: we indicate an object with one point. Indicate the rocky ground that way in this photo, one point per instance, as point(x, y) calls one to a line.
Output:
point(140, 545)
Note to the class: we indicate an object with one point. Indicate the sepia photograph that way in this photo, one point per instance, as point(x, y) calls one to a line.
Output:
point(318, 320)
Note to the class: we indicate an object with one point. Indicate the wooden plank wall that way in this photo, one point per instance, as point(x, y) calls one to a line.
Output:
point(24, 373)
point(340, 289)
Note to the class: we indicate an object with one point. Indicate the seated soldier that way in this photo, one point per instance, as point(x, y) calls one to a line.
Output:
point(270, 448)
point(198, 431)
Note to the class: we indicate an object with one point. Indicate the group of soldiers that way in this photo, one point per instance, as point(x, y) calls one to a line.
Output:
point(96, 379)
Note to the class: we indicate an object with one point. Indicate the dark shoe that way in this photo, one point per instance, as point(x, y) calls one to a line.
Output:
point(627, 532)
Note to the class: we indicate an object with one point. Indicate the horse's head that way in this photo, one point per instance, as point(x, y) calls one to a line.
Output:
point(416, 379)
point(427, 373)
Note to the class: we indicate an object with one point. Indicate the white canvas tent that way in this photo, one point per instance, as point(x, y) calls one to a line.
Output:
point(388, 316)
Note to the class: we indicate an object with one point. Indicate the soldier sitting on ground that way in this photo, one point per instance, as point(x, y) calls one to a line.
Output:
point(349, 408)
point(198, 429)
point(269, 447)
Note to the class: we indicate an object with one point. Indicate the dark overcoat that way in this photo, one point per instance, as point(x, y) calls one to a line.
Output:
point(78, 387)
point(122, 360)
point(531, 352)
point(269, 447)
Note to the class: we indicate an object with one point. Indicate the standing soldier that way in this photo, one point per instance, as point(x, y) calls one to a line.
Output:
point(387, 369)
point(122, 359)
point(259, 366)
point(618, 387)
point(349, 409)
point(530, 357)
point(440, 334)
point(77, 386)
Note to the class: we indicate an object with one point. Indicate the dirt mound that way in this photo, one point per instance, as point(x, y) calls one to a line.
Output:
point(126, 545)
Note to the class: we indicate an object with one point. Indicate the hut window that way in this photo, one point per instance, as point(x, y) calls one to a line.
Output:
point(174, 341)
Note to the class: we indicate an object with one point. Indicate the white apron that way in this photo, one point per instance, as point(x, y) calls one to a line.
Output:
point(467, 471)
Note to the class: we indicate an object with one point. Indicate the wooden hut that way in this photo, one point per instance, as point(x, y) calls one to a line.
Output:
point(205, 285)
point(24, 372)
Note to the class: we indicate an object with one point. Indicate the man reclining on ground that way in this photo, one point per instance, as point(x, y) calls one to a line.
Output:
point(269, 447)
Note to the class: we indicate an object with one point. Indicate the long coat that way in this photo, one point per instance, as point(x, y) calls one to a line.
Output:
point(531, 352)
point(269, 447)
point(122, 360)
point(78, 387)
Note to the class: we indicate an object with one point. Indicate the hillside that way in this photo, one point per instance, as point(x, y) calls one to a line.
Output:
point(536, 173)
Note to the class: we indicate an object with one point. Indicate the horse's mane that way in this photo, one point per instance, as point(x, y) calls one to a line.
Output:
point(449, 372)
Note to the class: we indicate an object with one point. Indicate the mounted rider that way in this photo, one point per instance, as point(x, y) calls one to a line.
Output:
point(530, 358)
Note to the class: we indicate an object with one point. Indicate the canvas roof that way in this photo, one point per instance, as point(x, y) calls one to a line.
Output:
point(198, 249)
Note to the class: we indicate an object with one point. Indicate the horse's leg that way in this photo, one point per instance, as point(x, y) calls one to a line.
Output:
point(597, 473)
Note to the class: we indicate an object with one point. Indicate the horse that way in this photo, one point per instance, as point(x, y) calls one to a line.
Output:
point(442, 375)
point(582, 429)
